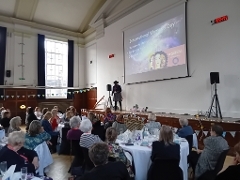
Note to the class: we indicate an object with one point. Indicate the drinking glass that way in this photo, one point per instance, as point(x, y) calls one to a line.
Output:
point(3, 167)
point(24, 173)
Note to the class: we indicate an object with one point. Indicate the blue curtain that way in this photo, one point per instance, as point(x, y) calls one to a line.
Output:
point(3, 42)
point(41, 66)
point(70, 67)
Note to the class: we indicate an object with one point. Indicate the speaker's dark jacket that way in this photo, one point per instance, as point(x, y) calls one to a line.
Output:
point(116, 92)
point(117, 89)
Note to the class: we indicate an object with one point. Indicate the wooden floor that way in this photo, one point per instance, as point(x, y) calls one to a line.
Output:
point(59, 169)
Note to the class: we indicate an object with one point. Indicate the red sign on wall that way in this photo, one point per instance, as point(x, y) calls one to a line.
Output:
point(219, 20)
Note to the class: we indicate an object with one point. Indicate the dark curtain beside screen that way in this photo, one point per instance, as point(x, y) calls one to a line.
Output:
point(70, 67)
point(3, 42)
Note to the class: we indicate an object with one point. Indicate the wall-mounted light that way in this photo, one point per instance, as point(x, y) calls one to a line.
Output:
point(22, 107)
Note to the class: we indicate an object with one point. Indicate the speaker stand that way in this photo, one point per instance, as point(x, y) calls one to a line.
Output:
point(109, 102)
point(217, 104)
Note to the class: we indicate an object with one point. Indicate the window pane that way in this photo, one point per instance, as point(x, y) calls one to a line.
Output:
point(56, 68)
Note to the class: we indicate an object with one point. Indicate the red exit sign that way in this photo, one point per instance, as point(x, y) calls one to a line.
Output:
point(219, 20)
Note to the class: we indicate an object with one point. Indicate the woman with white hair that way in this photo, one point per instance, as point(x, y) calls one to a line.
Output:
point(152, 124)
point(186, 130)
point(87, 139)
point(15, 124)
point(15, 153)
point(74, 133)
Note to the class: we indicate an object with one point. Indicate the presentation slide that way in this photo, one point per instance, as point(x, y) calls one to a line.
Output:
point(159, 51)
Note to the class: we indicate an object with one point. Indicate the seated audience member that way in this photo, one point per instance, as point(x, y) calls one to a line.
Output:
point(152, 124)
point(38, 112)
point(58, 110)
point(233, 171)
point(54, 119)
point(5, 121)
point(73, 110)
point(98, 129)
point(165, 148)
point(1, 110)
point(35, 135)
point(46, 124)
point(64, 115)
point(15, 124)
point(48, 128)
point(116, 153)
point(44, 110)
point(213, 147)
point(74, 133)
point(119, 124)
point(109, 118)
point(31, 116)
point(15, 153)
point(68, 116)
point(87, 139)
point(186, 130)
point(92, 117)
point(103, 170)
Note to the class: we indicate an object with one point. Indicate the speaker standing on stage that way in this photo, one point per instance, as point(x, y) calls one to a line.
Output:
point(117, 94)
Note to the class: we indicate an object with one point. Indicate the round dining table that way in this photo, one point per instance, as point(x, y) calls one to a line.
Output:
point(141, 157)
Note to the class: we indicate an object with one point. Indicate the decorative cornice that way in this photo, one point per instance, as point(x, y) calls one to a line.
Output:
point(99, 26)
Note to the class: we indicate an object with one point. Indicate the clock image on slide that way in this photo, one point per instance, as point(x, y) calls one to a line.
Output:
point(175, 60)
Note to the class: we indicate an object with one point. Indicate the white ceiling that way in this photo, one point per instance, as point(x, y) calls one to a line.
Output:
point(69, 16)
point(7, 7)
point(61, 13)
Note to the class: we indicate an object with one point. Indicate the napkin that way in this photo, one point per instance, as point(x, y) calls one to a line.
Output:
point(8, 175)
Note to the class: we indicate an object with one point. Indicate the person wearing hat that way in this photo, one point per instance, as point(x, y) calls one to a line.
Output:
point(117, 95)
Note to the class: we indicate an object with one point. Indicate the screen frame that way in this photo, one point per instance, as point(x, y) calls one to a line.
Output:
point(186, 39)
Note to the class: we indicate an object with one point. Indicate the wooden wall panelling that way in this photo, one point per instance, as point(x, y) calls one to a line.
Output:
point(14, 98)
point(91, 98)
point(80, 101)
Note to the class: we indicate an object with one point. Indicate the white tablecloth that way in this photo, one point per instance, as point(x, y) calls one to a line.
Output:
point(142, 161)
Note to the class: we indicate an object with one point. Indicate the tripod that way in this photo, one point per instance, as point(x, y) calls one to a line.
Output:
point(217, 104)
point(109, 100)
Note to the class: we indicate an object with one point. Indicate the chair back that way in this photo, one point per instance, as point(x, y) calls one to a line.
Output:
point(211, 174)
point(220, 161)
point(99, 130)
point(129, 156)
point(75, 148)
point(88, 164)
point(166, 169)
point(189, 139)
point(65, 144)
